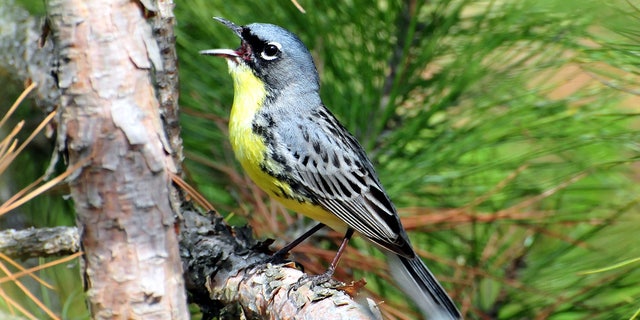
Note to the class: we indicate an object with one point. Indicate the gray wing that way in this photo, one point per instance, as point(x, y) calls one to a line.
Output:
point(334, 171)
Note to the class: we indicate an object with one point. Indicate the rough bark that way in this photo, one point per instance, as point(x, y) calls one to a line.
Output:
point(167, 85)
point(163, 22)
point(226, 267)
point(22, 56)
point(40, 242)
point(109, 118)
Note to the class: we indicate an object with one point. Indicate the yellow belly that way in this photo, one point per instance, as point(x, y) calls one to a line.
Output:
point(250, 148)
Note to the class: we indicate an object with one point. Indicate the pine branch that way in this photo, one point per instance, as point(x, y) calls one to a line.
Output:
point(223, 266)
point(40, 242)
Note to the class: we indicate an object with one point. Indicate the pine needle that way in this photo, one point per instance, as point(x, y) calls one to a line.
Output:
point(42, 266)
point(15, 202)
point(612, 267)
point(17, 103)
point(28, 293)
point(191, 191)
point(21, 268)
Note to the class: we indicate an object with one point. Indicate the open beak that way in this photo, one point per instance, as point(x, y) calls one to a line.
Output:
point(225, 53)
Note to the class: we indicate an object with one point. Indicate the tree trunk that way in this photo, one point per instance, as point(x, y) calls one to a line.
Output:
point(110, 123)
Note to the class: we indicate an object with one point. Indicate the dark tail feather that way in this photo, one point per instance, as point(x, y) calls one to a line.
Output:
point(421, 286)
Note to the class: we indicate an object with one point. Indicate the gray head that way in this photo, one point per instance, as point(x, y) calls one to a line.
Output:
point(275, 55)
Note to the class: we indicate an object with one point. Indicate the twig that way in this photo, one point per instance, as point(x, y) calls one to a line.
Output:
point(40, 242)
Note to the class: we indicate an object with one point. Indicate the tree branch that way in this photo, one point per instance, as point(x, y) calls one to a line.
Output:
point(41, 242)
point(225, 266)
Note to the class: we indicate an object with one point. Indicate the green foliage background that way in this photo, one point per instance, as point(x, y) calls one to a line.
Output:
point(457, 105)
point(512, 180)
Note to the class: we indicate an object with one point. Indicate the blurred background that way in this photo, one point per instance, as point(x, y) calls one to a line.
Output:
point(506, 132)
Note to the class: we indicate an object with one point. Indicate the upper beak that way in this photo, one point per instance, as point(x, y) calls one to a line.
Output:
point(225, 53)
point(234, 27)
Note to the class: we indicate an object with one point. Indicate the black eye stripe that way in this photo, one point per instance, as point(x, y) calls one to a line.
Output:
point(250, 37)
point(259, 46)
point(256, 43)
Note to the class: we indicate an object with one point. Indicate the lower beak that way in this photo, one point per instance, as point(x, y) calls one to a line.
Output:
point(225, 53)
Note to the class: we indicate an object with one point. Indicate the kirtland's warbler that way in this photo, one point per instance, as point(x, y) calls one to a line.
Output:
point(294, 149)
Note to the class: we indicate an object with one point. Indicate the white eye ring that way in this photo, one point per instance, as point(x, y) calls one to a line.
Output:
point(271, 51)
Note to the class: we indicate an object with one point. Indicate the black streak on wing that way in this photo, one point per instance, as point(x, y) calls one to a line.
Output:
point(343, 181)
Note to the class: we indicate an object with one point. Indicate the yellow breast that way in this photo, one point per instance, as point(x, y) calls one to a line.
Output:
point(249, 95)
point(250, 148)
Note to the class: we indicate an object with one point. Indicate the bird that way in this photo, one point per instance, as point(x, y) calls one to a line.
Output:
point(295, 149)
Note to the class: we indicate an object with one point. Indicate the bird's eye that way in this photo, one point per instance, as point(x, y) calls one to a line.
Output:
point(271, 51)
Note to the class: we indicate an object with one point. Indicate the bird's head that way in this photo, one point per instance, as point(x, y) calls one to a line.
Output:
point(274, 55)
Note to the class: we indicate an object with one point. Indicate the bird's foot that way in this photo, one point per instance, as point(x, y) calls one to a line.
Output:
point(276, 259)
point(324, 279)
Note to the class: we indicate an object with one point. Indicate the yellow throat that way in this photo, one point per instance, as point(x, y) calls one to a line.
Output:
point(249, 96)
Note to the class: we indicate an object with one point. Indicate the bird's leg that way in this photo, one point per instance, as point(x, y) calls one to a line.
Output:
point(326, 276)
point(343, 246)
point(282, 253)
